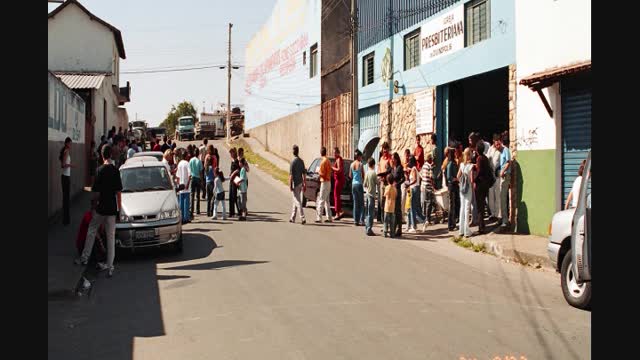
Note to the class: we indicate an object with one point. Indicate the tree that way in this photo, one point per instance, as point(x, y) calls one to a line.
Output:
point(184, 108)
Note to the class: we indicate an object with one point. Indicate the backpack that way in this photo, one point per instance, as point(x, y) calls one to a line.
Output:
point(464, 182)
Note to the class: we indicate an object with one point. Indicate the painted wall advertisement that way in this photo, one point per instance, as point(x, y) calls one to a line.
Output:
point(66, 113)
point(424, 111)
point(443, 35)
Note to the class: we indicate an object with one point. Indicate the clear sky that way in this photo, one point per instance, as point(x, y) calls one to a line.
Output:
point(162, 33)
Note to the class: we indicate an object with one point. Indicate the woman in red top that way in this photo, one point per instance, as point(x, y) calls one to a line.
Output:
point(338, 175)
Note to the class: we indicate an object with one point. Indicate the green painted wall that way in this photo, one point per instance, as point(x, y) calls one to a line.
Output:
point(536, 191)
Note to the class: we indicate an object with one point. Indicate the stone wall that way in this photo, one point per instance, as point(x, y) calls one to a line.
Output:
point(400, 132)
point(515, 173)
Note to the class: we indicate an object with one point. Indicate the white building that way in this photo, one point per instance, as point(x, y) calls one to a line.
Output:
point(84, 52)
point(553, 57)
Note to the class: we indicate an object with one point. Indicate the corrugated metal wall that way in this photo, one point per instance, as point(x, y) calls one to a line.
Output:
point(374, 17)
point(337, 125)
point(370, 119)
point(576, 130)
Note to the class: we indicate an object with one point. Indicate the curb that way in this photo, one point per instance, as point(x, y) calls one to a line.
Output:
point(520, 257)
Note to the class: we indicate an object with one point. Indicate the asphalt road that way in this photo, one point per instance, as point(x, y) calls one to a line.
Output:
point(268, 289)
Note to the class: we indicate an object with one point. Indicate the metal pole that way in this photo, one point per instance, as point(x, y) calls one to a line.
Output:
point(354, 73)
point(229, 88)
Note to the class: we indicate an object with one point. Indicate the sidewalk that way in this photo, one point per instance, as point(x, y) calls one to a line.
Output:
point(520, 248)
point(257, 148)
point(63, 275)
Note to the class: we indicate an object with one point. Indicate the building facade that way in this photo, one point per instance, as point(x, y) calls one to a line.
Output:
point(435, 66)
point(85, 51)
point(554, 104)
point(282, 79)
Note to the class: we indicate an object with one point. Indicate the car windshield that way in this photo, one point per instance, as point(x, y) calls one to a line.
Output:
point(137, 124)
point(141, 179)
point(186, 121)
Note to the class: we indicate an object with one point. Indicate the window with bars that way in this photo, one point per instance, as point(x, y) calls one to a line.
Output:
point(367, 69)
point(313, 60)
point(478, 21)
point(412, 49)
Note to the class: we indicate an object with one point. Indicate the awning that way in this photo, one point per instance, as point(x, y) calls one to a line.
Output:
point(540, 80)
point(550, 76)
point(81, 80)
point(366, 137)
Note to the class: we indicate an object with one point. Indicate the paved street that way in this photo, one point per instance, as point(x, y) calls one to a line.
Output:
point(267, 289)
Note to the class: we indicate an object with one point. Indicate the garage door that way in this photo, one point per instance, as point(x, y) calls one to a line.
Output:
point(576, 128)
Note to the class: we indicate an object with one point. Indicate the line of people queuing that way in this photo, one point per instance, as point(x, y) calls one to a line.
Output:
point(477, 179)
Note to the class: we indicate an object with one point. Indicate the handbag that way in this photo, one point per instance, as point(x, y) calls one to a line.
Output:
point(407, 204)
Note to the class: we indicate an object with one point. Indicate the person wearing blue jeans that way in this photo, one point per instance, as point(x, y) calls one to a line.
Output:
point(370, 184)
point(357, 176)
point(184, 178)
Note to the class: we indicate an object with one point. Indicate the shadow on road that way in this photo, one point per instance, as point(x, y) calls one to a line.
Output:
point(215, 265)
point(104, 324)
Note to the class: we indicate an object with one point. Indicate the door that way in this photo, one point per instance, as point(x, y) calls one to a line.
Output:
point(313, 180)
point(576, 128)
point(370, 124)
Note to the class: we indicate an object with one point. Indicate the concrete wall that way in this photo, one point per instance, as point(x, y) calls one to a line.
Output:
point(277, 74)
point(303, 127)
point(77, 43)
point(496, 52)
point(564, 38)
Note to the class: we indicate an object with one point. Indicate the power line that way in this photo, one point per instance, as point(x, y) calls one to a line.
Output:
point(170, 70)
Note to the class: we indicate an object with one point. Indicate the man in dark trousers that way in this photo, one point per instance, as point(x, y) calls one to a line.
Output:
point(233, 188)
point(482, 183)
point(107, 203)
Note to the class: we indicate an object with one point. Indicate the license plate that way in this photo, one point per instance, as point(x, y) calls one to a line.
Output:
point(344, 197)
point(145, 234)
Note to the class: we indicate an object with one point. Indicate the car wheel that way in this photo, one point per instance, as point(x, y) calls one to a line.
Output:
point(577, 295)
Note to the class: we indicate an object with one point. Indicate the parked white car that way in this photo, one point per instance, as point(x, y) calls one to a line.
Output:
point(150, 213)
point(569, 246)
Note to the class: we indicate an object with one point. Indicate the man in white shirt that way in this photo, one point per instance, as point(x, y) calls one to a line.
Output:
point(184, 178)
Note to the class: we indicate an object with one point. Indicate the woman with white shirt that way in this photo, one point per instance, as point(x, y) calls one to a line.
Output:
point(466, 191)
point(572, 199)
point(65, 164)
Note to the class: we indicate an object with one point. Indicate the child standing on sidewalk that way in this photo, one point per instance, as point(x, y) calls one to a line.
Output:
point(219, 191)
point(390, 194)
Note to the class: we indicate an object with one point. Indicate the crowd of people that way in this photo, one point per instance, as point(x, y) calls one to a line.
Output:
point(195, 171)
point(477, 178)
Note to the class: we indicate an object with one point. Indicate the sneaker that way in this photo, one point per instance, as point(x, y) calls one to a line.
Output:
point(424, 227)
point(318, 220)
point(303, 221)
point(214, 218)
point(411, 231)
point(370, 233)
point(110, 273)
point(101, 266)
point(79, 261)
point(292, 221)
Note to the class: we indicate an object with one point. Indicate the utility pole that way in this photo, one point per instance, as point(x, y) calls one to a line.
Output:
point(354, 71)
point(229, 88)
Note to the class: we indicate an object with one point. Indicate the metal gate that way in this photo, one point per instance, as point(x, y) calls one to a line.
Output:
point(370, 120)
point(576, 129)
point(337, 126)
